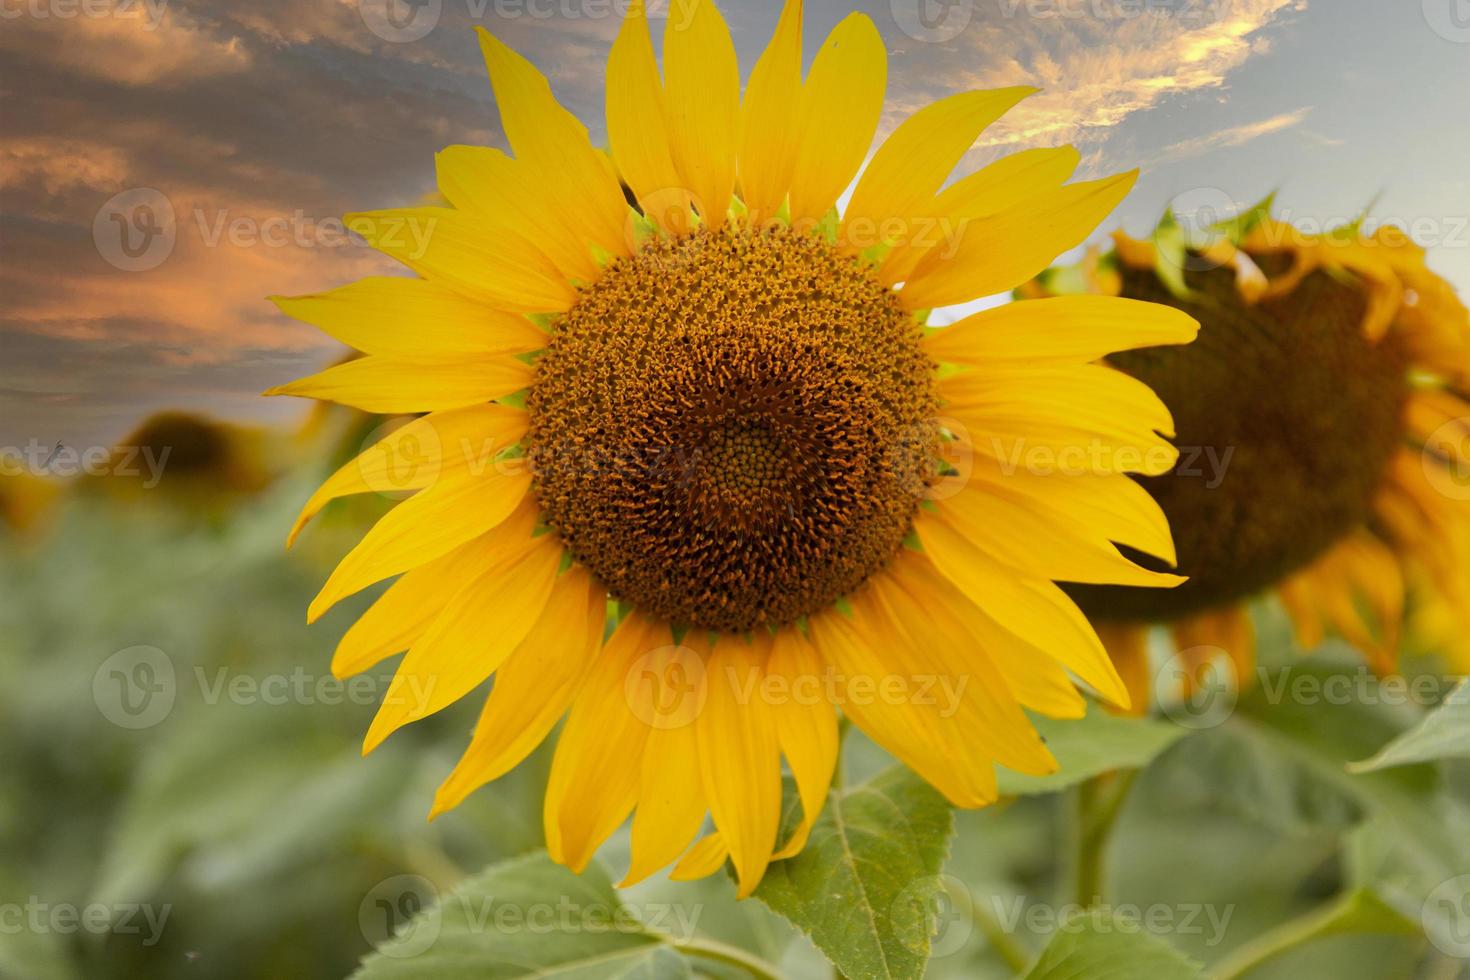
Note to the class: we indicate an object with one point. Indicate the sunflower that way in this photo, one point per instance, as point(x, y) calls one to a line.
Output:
point(691, 473)
point(1324, 421)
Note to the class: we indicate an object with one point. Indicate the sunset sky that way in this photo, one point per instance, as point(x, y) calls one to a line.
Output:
point(259, 122)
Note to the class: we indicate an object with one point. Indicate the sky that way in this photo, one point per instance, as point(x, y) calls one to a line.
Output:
point(167, 164)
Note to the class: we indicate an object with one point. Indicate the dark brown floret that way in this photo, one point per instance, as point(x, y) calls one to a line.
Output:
point(733, 429)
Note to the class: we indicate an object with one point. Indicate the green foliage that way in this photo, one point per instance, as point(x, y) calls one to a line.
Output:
point(1319, 825)
point(1090, 746)
point(862, 887)
point(1101, 946)
point(1443, 734)
point(524, 918)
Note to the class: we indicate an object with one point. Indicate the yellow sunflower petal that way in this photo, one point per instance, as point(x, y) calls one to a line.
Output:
point(908, 169)
point(638, 127)
point(841, 104)
point(1061, 329)
point(599, 757)
point(806, 726)
point(999, 253)
point(398, 385)
point(406, 610)
point(551, 141)
point(1111, 509)
point(740, 758)
point(479, 627)
point(671, 808)
point(706, 857)
point(534, 688)
point(510, 194)
point(1007, 523)
point(454, 248)
point(423, 527)
point(702, 96)
point(1035, 679)
point(768, 119)
point(1018, 177)
point(412, 318)
point(1082, 419)
point(1035, 610)
point(970, 690)
point(416, 454)
point(860, 649)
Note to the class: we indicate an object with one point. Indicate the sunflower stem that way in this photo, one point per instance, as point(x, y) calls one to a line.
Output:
point(717, 952)
point(1305, 928)
point(1096, 805)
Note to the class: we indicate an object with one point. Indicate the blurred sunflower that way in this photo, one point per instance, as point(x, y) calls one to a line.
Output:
point(1324, 421)
point(719, 408)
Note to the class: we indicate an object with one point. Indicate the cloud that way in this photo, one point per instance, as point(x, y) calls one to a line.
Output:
point(1234, 136)
point(134, 45)
point(1096, 63)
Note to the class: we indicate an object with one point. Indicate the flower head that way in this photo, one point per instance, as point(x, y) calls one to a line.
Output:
point(1324, 417)
point(719, 407)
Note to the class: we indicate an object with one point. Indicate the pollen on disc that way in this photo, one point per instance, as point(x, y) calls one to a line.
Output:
point(733, 429)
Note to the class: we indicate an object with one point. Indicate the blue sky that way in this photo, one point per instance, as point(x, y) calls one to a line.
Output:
point(259, 121)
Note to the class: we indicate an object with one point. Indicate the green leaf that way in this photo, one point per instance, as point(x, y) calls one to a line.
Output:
point(864, 886)
point(1239, 227)
point(524, 918)
point(1100, 946)
point(1443, 734)
point(1084, 747)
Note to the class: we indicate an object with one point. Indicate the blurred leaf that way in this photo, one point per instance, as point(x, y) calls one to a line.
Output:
point(525, 918)
point(1099, 946)
point(660, 963)
point(1085, 747)
point(864, 886)
point(1444, 733)
point(1357, 912)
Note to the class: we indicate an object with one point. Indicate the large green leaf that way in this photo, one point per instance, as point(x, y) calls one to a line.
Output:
point(524, 918)
point(1443, 734)
point(1096, 945)
point(1085, 747)
point(864, 887)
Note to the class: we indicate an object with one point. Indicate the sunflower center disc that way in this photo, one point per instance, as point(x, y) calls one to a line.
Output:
point(1288, 417)
point(733, 429)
